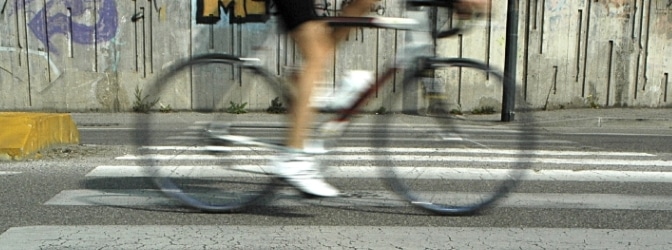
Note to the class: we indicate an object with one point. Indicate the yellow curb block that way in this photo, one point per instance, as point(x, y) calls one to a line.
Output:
point(22, 134)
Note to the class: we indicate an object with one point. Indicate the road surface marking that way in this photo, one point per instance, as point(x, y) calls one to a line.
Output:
point(428, 173)
point(9, 173)
point(377, 198)
point(416, 158)
point(411, 150)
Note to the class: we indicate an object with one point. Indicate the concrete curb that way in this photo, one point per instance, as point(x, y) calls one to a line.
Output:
point(23, 134)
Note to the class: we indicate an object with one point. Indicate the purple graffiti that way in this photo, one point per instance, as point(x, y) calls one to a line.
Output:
point(58, 23)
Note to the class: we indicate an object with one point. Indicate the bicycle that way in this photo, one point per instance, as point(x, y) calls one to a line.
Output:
point(221, 165)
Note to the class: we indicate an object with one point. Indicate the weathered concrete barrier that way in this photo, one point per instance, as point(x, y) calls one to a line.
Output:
point(23, 134)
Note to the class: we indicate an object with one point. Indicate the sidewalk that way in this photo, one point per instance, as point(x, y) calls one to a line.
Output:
point(626, 118)
point(613, 118)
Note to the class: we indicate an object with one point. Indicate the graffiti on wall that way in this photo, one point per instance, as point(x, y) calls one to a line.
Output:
point(68, 17)
point(84, 22)
point(238, 11)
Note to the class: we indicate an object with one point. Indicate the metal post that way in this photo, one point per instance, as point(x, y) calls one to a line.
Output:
point(511, 60)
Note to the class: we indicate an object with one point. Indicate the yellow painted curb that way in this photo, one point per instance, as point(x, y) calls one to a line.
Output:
point(22, 134)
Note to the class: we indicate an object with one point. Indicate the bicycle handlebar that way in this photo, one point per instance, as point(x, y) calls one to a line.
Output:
point(402, 23)
point(450, 6)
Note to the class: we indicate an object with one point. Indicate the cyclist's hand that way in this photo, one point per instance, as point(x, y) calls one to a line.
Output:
point(467, 9)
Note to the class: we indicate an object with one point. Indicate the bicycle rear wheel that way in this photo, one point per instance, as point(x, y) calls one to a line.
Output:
point(209, 160)
point(456, 164)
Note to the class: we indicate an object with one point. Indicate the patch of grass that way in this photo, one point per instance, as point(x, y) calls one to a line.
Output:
point(592, 101)
point(143, 104)
point(276, 107)
point(381, 111)
point(237, 108)
point(165, 109)
point(456, 112)
point(486, 110)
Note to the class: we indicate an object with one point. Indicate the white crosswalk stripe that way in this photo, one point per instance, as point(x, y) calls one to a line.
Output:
point(353, 139)
point(412, 150)
point(9, 173)
point(351, 172)
point(377, 198)
point(423, 158)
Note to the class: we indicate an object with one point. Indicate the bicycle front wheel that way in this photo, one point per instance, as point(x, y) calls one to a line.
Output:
point(454, 162)
point(209, 160)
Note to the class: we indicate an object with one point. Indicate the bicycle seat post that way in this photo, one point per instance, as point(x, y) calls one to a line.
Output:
point(418, 41)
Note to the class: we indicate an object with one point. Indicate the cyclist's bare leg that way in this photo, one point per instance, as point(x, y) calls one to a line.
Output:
point(316, 46)
point(317, 42)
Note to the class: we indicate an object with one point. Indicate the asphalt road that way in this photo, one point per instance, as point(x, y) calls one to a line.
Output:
point(605, 188)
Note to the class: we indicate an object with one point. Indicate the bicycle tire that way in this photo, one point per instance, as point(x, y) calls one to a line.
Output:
point(447, 182)
point(190, 159)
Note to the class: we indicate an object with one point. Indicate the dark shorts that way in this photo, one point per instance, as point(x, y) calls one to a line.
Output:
point(293, 13)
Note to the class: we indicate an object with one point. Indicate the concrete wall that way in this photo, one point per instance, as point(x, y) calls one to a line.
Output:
point(606, 52)
point(90, 55)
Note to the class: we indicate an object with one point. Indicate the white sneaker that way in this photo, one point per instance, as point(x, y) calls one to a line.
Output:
point(354, 83)
point(301, 172)
point(349, 89)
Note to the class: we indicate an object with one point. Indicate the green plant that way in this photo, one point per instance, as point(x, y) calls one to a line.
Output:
point(484, 110)
point(165, 109)
point(381, 111)
point(592, 100)
point(236, 108)
point(456, 112)
point(142, 103)
point(276, 107)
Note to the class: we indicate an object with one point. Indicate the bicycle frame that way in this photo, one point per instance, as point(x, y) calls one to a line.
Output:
point(418, 45)
point(418, 42)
